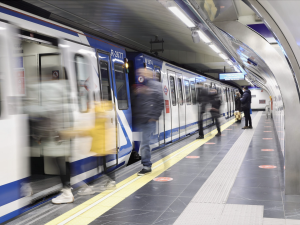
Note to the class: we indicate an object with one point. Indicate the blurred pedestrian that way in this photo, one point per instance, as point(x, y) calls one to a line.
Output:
point(238, 108)
point(103, 135)
point(202, 99)
point(246, 106)
point(147, 106)
point(47, 105)
point(215, 102)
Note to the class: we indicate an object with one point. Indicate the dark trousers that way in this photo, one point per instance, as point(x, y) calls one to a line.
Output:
point(64, 171)
point(247, 117)
point(215, 117)
point(200, 121)
point(102, 162)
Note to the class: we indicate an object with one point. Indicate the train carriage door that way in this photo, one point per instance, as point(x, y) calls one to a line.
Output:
point(181, 105)
point(188, 105)
point(13, 128)
point(107, 94)
point(226, 103)
point(233, 101)
point(174, 133)
point(161, 122)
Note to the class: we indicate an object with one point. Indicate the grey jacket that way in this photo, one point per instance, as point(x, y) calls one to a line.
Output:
point(149, 105)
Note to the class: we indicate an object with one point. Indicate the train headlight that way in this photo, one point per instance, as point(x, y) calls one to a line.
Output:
point(126, 65)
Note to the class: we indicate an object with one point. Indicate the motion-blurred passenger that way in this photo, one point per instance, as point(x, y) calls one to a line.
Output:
point(49, 111)
point(238, 108)
point(246, 106)
point(215, 102)
point(102, 142)
point(202, 101)
point(147, 105)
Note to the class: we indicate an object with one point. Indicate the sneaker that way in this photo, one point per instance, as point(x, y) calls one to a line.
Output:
point(86, 191)
point(218, 135)
point(250, 127)
point(109, 186)
point(65, 197)
point(200, 137)
point(245, 127)
point(144, 172)
point(26, 190)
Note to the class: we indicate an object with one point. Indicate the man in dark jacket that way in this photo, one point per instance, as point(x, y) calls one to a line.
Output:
point(147, 105)
point(215, 102)
point(246, 106)
point(202, 101)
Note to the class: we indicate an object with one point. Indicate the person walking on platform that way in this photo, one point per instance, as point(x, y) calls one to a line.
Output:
point(215, 102)
point(238, 108)
point(147, 106)
point(246, 106)
point(202, 102)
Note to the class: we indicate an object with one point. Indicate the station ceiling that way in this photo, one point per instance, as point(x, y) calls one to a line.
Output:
point(137, 22)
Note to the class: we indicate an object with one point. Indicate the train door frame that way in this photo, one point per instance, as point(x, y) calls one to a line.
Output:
point(113, 98)
point(226, 100)
point(174, 108)
point(181, 107)
point(155, 68)
point(186, 79)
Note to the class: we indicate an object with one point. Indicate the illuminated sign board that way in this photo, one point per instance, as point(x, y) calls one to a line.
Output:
point(231, 76)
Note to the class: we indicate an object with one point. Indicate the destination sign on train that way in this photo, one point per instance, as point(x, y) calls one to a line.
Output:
point(231, 76)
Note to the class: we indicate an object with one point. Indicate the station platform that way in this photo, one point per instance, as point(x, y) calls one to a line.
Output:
point(235, 179)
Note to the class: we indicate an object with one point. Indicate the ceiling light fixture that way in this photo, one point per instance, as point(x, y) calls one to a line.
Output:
point(223, 56)
point(203, 36)
point(236, 69)
point(215, 48)
point(229, 62)
point(181, 16)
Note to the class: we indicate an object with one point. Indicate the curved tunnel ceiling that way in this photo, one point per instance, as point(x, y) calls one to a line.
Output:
point(140, 21)
point(137, 22)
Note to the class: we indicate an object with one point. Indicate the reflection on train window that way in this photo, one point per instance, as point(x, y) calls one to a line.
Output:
point(193, 92)
point(121, 87)
point(172, 86)
point(187, 92)
point(180, 97)
point(105, 80)
point(82, 82)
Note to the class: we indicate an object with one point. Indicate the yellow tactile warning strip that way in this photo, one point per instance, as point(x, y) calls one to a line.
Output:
point(98, 205)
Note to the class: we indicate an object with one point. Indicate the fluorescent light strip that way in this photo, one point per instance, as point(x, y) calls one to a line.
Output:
point(223, 56)
point(215, 48)
point(236, 69)
point(229, 62)
point(203, 37)
point(181, 16)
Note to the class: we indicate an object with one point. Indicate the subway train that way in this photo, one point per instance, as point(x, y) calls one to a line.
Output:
point(96, 70)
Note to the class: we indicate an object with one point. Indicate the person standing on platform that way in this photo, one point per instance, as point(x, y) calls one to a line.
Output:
point(147, 106)
point(238, 108)
point(246, 106)
point(202, 101)
point(215, 102)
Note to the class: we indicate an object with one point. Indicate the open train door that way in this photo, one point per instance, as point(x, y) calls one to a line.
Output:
point(14, 161)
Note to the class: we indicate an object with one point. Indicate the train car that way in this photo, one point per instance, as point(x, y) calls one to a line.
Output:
point(34, 48)
point(180, 115)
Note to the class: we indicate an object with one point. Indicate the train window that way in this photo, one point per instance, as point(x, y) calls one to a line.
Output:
point(105, 80)
point(180, 97)
point(157, 73)
point(121, 87)
point(82, 82)
point(172, 86)
point(187, 92)
point(193, 92)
